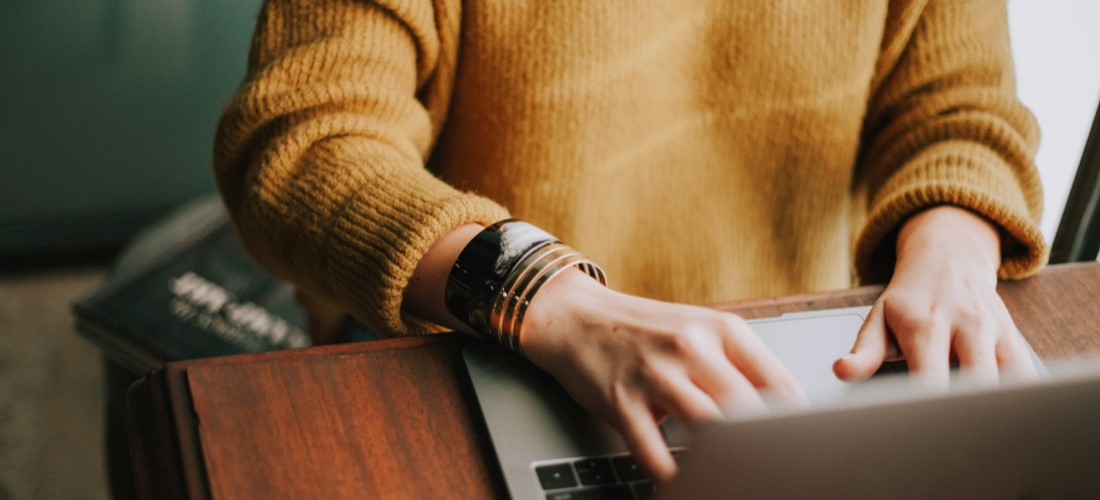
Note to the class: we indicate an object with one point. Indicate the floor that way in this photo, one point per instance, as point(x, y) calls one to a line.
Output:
point(51, 390)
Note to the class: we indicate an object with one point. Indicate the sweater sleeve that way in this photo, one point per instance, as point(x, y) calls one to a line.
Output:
point(944, 126)
point(320, 155)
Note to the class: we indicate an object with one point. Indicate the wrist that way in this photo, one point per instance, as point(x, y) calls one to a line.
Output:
point(424, 294)
point(566, 306)
point(498, 274)
point(950, 231)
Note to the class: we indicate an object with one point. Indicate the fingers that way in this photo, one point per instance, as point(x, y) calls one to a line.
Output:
point(870, 348)
point(976, 352)
point(729, 387)
point(927, 348)
point(988, 345)
point(691, 393)
point(982, 338)
point(643, 436)
point(685, 400)
point(704, 383)
point(1014, 358)
point(699, 381)
point(1011, 351)
point(759, 368)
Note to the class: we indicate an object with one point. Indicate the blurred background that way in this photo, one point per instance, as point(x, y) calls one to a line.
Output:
point(106, 121)
point(108, 113)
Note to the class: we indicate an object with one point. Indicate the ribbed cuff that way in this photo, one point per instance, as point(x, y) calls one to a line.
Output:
point(381, 235)
point(963, 178)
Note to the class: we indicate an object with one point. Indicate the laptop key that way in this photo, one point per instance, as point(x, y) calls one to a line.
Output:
point(645, 490)
point(628, 468)
point(554, 477)
point(594, 471)
point(616, 492)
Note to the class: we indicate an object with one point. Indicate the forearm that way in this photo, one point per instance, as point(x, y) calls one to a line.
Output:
point(320, 155)
point(944, 126)
point(424, 296)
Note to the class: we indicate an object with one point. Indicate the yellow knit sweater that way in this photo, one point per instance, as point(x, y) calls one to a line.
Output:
point(700, 150)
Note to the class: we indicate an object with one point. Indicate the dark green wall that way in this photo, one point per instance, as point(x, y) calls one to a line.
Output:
point(108, 107)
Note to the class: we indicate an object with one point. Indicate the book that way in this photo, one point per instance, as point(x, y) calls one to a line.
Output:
point(186, 288)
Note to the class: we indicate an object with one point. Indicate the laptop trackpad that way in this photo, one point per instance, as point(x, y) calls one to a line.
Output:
point(808, 346)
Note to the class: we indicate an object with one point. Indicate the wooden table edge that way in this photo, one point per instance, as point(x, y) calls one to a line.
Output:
point(159, 405)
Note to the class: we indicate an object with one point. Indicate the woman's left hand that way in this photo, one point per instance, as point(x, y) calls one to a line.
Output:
point(941, 304)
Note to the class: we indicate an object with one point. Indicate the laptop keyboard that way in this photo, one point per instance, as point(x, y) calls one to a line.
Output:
point(612, 477)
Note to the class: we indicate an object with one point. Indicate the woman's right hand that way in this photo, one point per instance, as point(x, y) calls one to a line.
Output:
point(633, 361)
point(629, 360)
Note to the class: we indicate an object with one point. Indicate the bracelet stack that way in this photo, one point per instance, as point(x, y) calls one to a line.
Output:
point(498, 274)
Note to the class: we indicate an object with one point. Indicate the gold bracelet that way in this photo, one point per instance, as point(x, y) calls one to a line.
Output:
point(530, 278)
point(517, 280)
point(524, 281)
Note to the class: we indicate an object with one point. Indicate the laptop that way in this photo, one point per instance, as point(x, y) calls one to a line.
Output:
point(872, 439)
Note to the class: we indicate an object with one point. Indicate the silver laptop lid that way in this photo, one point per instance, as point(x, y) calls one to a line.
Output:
point(1037, 439)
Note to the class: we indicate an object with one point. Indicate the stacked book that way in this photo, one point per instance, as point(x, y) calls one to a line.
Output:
point(186, 288)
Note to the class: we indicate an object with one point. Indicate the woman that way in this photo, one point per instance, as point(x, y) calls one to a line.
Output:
point(699, 152)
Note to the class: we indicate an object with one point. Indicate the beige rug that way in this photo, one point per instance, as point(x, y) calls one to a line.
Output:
point(51, 394)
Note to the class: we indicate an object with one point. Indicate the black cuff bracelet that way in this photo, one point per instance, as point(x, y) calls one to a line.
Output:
point(490, 279)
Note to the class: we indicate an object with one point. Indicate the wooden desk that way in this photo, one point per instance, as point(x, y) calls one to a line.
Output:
point(393, 418)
